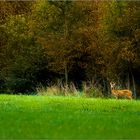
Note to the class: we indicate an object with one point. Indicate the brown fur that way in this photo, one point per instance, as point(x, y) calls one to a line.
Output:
point(122, 93)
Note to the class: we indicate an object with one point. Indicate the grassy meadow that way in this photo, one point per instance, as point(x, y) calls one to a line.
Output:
point(33, 117)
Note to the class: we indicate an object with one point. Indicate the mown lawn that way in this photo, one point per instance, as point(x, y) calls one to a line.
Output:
point(35, 117)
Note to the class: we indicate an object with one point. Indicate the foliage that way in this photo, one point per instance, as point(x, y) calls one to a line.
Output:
point(22, 58)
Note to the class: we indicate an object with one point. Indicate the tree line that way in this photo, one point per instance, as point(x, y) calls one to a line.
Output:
point(73, 41)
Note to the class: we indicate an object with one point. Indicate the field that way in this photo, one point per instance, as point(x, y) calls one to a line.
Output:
point(24, 117)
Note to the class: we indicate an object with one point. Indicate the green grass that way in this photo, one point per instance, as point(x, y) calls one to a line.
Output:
point(68, 118)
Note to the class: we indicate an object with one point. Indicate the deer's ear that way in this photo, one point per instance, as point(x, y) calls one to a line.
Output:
point(112, 84)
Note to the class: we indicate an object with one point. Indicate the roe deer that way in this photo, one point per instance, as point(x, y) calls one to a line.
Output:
point(125, 93)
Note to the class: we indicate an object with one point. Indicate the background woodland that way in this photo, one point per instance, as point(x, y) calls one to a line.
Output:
point(44, 43)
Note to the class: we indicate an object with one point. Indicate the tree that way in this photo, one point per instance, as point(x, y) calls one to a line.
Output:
point(120, 24)
point(22, 59)
point(68, 36)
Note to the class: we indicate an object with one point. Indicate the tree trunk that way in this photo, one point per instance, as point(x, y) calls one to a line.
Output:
point(128, 82)
point(134, 86)
point(66, 74)
point(133, 83)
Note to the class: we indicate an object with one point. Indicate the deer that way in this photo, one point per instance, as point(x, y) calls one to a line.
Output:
point(125, 93)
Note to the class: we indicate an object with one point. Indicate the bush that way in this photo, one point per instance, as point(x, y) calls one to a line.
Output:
point(92, 91)
point(59, 90)
point(19, 85)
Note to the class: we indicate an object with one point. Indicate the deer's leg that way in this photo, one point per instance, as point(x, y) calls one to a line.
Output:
point(130, 97)
point(116, 97)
